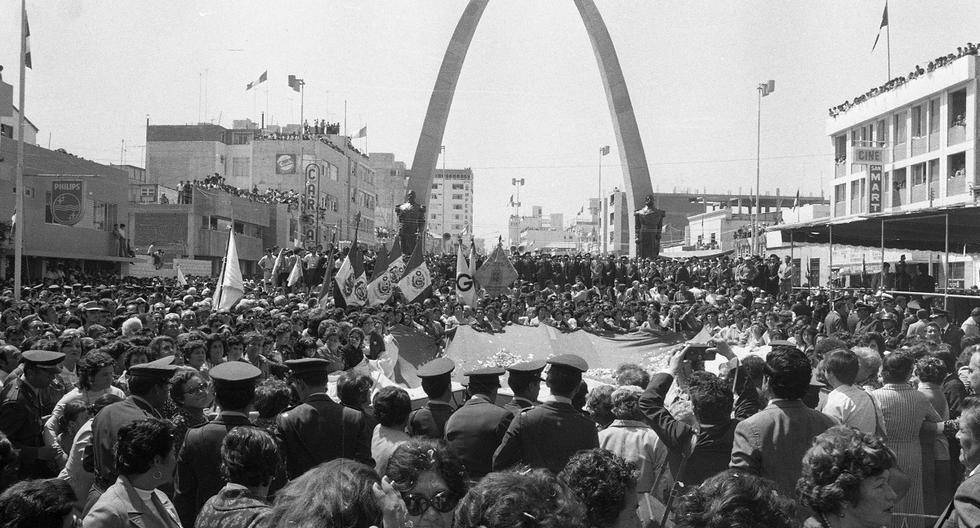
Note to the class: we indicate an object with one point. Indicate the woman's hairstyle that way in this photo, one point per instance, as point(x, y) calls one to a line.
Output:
point(157, 343)
point(139, 442)
point(631, 374)
point(212, 339)
point(179, 381)
point(418, 455)
point(601, 480)
point(897, 367)
point(599, 404)
point(249, 456)
point(70, 413)
point(836, 463)
point(133, 353)
point(335, 494)
point(930, 369)
point(36, 504)
point(625, 402)
point(869, 364)
point(843, 364)
point(351, 386)
point(735, 499)
point(272, 397)
point(392, 405)
point(189, 347)
point(529, 498)
point(89, 365)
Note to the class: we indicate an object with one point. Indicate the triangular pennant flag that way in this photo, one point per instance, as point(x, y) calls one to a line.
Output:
point(884, 23)
point(379, 289)
point(296, 274)
point(277, 268)
point(496, 274)
point(180, 276)
point(417, 278)
point(359, 296)
point(230, 288)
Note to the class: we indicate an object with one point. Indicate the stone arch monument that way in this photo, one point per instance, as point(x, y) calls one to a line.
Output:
point(636, 175)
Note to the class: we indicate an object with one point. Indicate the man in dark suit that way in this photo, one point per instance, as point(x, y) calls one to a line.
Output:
point(767, 442)
point(319, 429)
point(548, 435)
point(951, 334)
point(149, 387)
point(430, 419)
point(964, 510)
point(524, 379)
point(20, 414)
point(474, 431)
point(199, 460)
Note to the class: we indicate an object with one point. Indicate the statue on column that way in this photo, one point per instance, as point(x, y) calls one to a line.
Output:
point(649, 223)
point(411, 220)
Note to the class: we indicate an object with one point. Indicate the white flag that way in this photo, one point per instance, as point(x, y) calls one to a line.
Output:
point(230, 287)
point(296, 274)
point(180, 276)
point(465, 288)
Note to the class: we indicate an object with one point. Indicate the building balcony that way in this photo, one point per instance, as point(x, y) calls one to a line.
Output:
point(840, 208)
point(898, 197)
point(918, 193)
point(898, 153)
point(956, 135)
point(840, 169)
point(920, 145)
point(956, 185)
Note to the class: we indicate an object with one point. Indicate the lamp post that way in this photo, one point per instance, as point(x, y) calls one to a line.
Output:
point(764, 89)
point(518, 183)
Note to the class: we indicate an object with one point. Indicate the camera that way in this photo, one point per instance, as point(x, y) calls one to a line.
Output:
point(699, 353)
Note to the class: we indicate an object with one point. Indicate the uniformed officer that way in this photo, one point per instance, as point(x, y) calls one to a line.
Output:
point(430, 420)
point(149, 388)
point(525, 380)
point(474, 431)
point(866, 321)
point(319, 429)
point(20, 413)
point(548, 435)
point(199, 460)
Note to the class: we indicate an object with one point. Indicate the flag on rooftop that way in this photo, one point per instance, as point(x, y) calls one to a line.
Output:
point(362, 132)
point(884, 23)
point(27, 42)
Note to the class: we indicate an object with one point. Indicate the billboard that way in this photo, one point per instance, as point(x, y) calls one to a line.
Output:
point(874, 189)
point(66, 202)
point(285, 163)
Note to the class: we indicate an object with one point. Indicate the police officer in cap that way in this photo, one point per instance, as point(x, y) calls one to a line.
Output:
point(474, 431)
point(319, 429)
point(198, 462)
point(524, 379)
point(149, 388)
point(20, 413)
point(430, 420)
point(866, 323)
point(548, 435)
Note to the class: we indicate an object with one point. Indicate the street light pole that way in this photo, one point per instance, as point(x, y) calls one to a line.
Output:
point(764, 89)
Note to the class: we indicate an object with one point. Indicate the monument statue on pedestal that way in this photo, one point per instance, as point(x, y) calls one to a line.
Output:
point(649, 223)
point(411, 220)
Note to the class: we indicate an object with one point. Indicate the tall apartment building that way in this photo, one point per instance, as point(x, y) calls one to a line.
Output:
point(926, 130)
point(390, 178)
point(334, 181)
point(451, 202)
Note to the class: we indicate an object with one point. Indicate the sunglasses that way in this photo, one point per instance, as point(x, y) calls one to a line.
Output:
point(442, 502)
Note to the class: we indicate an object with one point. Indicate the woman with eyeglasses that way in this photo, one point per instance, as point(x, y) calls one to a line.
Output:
point(430, 479)
point(146, 460)
point(191, 393)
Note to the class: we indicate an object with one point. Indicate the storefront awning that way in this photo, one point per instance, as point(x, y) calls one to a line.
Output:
point(922, 229)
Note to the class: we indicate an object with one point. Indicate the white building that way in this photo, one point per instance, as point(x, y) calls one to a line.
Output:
point(451, 202)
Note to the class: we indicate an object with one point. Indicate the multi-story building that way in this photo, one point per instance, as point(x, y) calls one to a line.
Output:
point(390, 186)
point(332, 182)
point(451, 202)
point(925, 130)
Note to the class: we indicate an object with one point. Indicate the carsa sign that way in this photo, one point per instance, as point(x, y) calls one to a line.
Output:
point(874, 189)
point(66, 202)
point(869, 156)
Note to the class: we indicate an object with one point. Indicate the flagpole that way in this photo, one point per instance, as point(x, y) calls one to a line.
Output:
point(888, 43)
point(602, 207)
point(19, 185)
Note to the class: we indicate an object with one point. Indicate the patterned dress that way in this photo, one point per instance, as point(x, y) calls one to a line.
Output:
point(234, 507)
point(905, 411)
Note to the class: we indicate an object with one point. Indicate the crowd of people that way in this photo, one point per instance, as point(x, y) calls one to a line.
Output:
point(939, 62)
point(217, 182)
point(131, 400)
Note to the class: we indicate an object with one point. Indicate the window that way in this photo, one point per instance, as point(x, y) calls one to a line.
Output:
point(456, 217)
point(457, 197)
point(99, 215)
point(934, 116)
point(457, 186)
point(458, 207)
point(435, 185)
point(814, 271)
point(900, 128)
point(433, 216)
point(840, 149)
point(239, 167)
point(333, 172)
point(957, 108)
point(882, 137)
point(918, 128)
point(239, 228)
point(239, 138)
point(918, 174)
point(435, 196)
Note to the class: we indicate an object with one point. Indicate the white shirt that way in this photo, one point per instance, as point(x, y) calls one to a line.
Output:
point(853, 407)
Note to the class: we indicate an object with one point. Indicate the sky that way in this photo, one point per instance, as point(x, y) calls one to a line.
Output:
point(529, 103)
